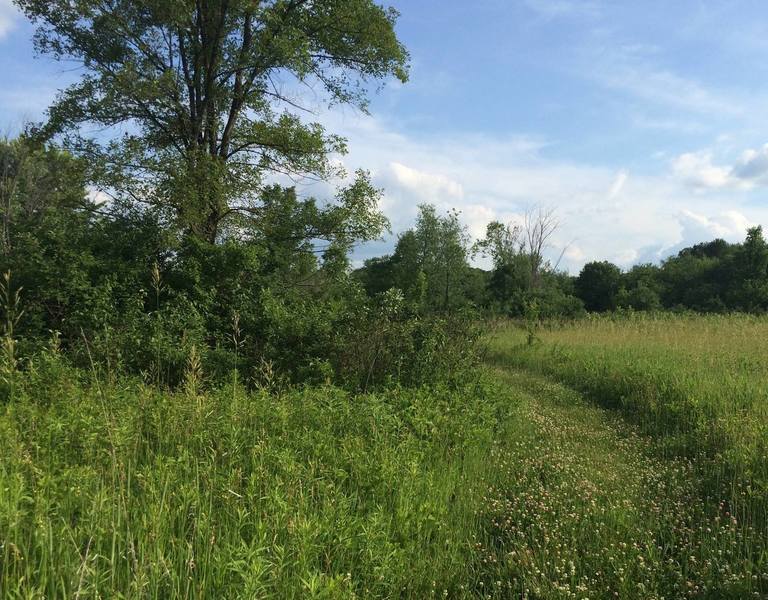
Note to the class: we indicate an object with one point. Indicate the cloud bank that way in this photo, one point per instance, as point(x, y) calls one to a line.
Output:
point(606, 213)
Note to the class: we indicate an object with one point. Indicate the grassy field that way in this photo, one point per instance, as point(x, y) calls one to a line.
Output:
point(697, 385)
point(604, 461)
point(588, 509)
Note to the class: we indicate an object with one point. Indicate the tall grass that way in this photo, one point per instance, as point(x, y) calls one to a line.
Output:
point(512, 487)
point(124, 490)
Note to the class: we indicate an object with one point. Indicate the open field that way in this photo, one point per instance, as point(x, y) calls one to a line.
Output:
point(699, 384)
point(696, 385)
point(516, 485)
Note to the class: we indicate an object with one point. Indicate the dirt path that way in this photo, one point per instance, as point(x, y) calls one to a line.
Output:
point(588, 511)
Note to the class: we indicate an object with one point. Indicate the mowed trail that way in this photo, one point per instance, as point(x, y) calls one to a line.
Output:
point(587, 510)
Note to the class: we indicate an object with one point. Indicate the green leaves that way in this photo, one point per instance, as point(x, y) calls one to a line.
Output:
point(222, 79)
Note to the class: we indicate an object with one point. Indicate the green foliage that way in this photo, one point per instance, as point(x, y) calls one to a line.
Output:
point(510, 279)
point(429, 266)
point(439, 250)
point(194, 88)
point(502, 243)
point(122, 289)
point(598, 285)
point(641, 289)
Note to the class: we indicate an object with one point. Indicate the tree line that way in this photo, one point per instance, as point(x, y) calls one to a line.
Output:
point(431, 265)
point(119, 282)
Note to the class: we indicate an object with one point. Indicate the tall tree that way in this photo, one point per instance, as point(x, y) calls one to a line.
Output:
point(750, 289)
point(35, 179)
point(207, 93)
point(539, 227)
point(429, 264)
point(442, 242)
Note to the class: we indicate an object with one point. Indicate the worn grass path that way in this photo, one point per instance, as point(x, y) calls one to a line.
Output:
point(589, 510)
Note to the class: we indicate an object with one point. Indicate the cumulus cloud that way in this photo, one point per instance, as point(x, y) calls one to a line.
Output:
point(730, 225)
point(8, 16)
point(98, 196)
point(696, 227)
point(430, 186)
point(574, 254)
point(699, 170)
point(753, 165)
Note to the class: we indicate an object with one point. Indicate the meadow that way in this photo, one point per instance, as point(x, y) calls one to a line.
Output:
point(563, 470)
point(698, 384)
point(694, 385)
point(117, 489)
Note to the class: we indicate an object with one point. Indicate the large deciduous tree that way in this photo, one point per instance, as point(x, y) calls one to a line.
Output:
point(202, 99)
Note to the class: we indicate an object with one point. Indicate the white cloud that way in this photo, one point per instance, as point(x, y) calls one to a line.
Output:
point(730, 225)
point(8, 16)
point(697, 170)
point(98, 196)
point(606, 213)
point(575, 254)
point(431, 187)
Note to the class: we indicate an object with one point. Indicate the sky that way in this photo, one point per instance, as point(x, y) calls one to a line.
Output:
point(643, 125)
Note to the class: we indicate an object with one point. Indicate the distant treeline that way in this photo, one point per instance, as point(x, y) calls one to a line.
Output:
point(431, 266)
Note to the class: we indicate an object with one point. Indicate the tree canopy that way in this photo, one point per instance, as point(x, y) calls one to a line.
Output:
point(202, 100)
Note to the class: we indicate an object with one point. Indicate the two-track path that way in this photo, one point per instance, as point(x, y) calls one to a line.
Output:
point(587, 509)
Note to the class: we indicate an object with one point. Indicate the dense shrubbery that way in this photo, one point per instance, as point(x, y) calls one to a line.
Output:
point(125, 289)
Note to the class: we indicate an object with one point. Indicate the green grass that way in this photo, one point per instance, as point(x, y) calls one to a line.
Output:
point(587, 509)
point(128, 491)
point(700, 381)
point(518, 485)
point(698, 386)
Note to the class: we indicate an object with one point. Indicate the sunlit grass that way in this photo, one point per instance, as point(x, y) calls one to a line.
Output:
point(697, 385)
point(513, 486)
point(587, 509)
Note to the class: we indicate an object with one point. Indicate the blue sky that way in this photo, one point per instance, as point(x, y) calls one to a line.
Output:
point(643, 124)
